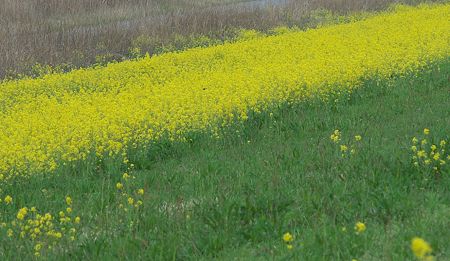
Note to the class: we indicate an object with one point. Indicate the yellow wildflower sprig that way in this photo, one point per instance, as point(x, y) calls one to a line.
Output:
point(130, 198)
point(430, 156)
point(360, 227)
point(421, 249)
point(345, 149)
point(288, 239)
point(44, 231)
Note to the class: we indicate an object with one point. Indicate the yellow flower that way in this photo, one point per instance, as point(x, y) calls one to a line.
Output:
point(426, 131)
point(289, 246)
point(358, 137)
point(119, 105)
point(420, 248)
point(433, 147)
point(421, 154)
point(360, 227)
point(61, 214)
point(344, 148)
point(140, 191)
point(125, 176)
point(119, 185)
point(424, 142)
point(68, 201)
point(130, 200)
point(287, 237)
point(8, 199)
point(48, 216)
point(37, 247)
point(414, 140)
point(414, 148)
point(77, 220)
point(436, 156)
point(69, 210)
point(335, 137)
point(442, 143)
point(10, 233)
point(22, 213)
point(33, 209)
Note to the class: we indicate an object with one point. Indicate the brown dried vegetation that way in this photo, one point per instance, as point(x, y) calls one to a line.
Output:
point(83, 32)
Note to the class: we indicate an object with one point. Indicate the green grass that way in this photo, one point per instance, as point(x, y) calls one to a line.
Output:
point(234, 197)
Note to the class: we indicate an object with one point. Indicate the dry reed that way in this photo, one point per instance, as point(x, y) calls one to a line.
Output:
point(77, 33)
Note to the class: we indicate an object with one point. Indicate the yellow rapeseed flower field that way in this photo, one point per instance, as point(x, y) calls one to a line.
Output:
point(66, 117)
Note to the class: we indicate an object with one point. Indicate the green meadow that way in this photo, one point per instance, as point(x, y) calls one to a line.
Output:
point(234, 197)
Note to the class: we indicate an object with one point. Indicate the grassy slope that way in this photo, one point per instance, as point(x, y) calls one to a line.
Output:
point(234, 197)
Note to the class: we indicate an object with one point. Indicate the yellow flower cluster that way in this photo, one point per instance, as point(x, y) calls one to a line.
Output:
point(421, 249)
point(8, 199)
point(345, 149)
point(43, 230)
point(336, 136)
point(427, 155)
point(360, 227)
point(104, 111)
point(130, 196)
point(288, 238)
